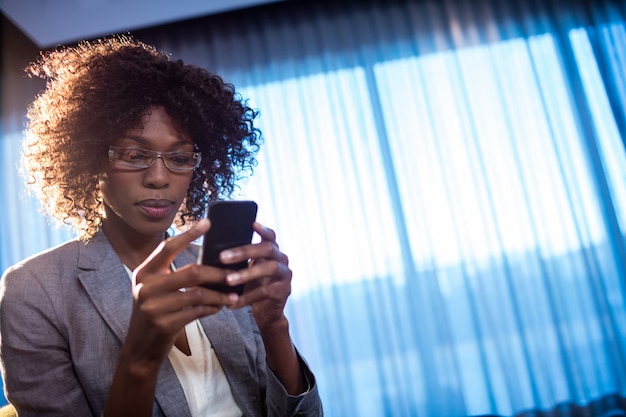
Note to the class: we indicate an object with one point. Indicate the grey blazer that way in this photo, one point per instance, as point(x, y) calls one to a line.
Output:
point(64, 315)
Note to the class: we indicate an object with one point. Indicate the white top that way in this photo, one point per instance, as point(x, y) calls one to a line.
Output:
point(201, 375)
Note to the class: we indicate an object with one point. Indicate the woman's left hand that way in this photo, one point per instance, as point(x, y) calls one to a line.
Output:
point(267, 286)
point(267, 278)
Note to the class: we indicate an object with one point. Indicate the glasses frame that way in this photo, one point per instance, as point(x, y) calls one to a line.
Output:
point(155, 155)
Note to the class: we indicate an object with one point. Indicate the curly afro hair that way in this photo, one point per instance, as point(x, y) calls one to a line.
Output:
point(95, 92)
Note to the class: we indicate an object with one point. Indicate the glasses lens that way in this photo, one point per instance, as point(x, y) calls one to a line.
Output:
point(131, 157)
point(143, 158)
point(181, 160)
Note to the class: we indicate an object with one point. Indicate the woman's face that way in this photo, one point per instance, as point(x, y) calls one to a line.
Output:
point(143, 202)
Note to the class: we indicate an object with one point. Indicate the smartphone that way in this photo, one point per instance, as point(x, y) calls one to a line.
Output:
point(231, 226)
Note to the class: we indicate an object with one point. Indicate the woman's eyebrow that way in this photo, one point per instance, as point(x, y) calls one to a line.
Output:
point(143, 141)
point(136, 138)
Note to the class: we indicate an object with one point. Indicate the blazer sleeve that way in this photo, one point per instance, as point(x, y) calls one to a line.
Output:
point(34, 356)
point(280, 403)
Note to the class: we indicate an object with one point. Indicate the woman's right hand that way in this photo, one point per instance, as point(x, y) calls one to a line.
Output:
point(165, 300)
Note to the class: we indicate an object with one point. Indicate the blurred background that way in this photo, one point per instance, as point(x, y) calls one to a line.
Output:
point(447, 177)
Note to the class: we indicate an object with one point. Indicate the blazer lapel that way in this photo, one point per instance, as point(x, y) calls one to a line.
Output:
point(106, 281)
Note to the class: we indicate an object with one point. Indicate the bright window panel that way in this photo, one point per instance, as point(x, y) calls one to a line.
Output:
point(481, 149)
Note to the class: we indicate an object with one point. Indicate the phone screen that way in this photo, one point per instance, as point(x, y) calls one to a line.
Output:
point(231, 226)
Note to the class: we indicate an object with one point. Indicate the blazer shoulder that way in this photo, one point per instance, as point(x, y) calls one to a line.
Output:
point(43, 269)
point(46, 260)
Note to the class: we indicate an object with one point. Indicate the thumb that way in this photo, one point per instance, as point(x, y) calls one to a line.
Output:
point(161, 258)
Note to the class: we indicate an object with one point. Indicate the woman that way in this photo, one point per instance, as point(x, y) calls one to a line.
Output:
point(122, 143)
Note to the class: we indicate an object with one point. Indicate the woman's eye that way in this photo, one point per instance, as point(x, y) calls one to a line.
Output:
point(135, 155)
point(180, 159)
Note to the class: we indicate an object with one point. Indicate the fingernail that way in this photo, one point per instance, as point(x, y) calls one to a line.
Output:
point(227, 254)
point(233, 278)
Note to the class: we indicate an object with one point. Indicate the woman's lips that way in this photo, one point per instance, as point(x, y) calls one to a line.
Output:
point(156, 209)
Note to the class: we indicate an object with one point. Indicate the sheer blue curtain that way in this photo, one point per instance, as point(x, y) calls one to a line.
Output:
point(448, 180)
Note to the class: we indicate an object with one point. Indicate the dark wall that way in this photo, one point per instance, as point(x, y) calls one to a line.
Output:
point(16, 52)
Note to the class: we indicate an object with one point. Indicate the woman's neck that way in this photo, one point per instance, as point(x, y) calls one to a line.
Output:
point(131, 248)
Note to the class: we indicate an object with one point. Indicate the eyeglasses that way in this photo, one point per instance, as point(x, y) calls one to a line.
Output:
point(138, 158)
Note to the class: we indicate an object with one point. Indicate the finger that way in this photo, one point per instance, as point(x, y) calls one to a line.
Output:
point(164, 254)
point(265, 232)
point(171, 303)
point(276, 271)
point(273, 290)
point(173, 322)
point(187, 276)
point(255, 252)
point(193, 275)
